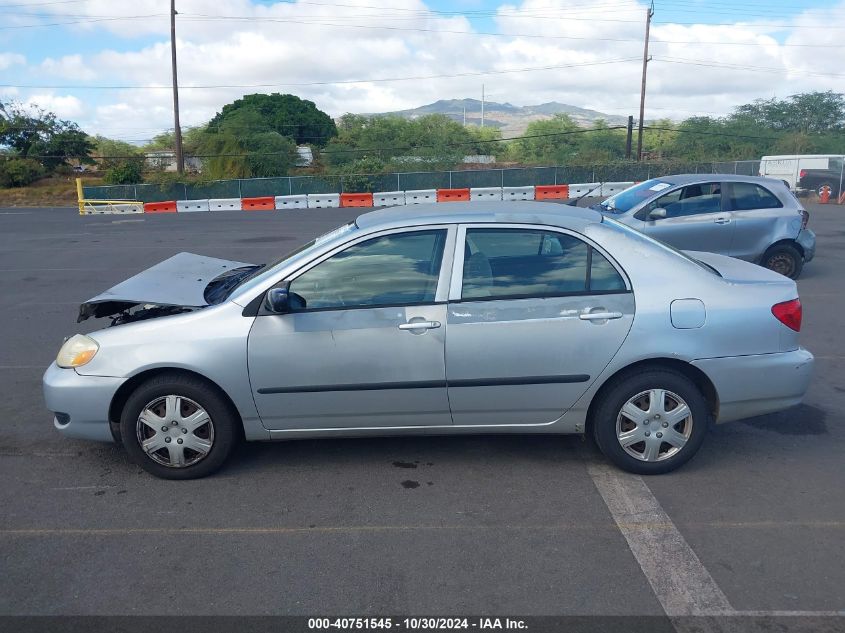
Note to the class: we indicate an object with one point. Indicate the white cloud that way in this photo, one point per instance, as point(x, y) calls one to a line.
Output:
point(71, 67)
point(296, 43)
point(65, 106)
point(7, 60)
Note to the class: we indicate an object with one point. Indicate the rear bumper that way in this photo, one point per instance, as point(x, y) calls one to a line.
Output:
point(755, 385)
point(807, 240)
point(80, 404)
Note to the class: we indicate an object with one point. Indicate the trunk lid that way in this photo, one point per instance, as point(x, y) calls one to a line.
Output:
point(739, 271)
point(179, 281)
point(759, 289)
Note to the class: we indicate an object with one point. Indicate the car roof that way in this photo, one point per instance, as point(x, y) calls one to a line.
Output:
point(495, 211)
point(682, 179)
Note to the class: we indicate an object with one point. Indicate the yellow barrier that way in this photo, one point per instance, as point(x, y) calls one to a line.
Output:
point(97, 207)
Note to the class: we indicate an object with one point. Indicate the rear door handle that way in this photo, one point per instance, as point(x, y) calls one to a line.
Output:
point(420, 325)
point(722, 220)
point(600, 316)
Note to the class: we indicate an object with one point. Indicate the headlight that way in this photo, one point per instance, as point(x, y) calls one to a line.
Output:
point(77, 351)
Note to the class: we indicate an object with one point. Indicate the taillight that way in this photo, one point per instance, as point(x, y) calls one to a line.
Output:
point(789, 313)
point(802, 173)
point(805, 218)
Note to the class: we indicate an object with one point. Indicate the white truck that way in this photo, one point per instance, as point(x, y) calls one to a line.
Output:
point(807, 172)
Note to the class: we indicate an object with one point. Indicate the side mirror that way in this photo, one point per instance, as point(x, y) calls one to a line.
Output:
point(657, 214)
point(278, 300)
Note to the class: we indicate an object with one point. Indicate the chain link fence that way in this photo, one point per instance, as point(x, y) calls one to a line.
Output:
point(408, 181)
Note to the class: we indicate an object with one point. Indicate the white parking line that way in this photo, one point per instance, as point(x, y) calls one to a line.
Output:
point(680, 582)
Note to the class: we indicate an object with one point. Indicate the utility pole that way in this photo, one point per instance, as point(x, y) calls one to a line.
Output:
point(482, 105)
point(629, 137)
point(177, 130)
point(649, 14)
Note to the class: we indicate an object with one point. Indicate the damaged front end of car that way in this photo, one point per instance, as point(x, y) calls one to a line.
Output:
point(182, 283)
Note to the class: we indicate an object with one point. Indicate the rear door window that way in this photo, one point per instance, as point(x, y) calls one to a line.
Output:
point(518, 263)
point(746, 196)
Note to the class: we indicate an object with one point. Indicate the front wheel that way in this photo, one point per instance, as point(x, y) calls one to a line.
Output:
point(784, 259)
point(651, 422)
point(178, 427)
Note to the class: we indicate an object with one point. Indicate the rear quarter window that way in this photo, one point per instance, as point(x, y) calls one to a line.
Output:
point(746, 196)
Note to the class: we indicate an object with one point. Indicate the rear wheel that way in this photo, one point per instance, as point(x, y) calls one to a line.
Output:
point(784, 259)
point(651, 423)
point(178, 427)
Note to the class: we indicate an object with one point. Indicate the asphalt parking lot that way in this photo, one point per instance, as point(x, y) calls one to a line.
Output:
point(475, 525)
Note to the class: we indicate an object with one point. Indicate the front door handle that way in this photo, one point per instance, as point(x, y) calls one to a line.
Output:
point(420, 325)
point(600, 316)
point(722, 220)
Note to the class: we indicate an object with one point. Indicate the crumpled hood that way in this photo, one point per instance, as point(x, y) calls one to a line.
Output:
point(178, 281)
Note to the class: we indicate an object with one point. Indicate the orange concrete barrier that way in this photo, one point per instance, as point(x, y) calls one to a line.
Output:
point(551, 192)
point(453, 195)
point(264, 203)
point(356, 199)
point(160, 207)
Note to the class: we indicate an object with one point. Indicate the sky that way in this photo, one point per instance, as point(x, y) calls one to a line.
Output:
point(106, 63)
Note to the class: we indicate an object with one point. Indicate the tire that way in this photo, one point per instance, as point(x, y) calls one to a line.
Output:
point(609, 421)
point(784, 259)
point(176, 402)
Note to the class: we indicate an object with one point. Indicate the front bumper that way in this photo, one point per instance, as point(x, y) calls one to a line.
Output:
point(807, 240)
point(755, 385)
point(82, 401)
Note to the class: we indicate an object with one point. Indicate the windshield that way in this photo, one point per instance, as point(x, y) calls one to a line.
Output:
point(219, 288)
point(626, 200)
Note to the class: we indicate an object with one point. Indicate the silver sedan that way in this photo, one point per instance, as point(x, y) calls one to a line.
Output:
point(501, 317)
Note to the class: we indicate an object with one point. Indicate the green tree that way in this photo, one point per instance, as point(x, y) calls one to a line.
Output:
point(163, 141)
point(286, 115)
point(600, 144)
point(36, 133)
point(244, 146)
point(551, 142)
point(808, 113)
point(434, 141)
point(19, 172)
point(125, 172)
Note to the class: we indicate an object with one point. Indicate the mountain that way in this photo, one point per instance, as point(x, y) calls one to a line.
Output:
point(512, 120)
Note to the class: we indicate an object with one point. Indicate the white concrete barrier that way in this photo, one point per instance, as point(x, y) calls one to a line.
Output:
point(610, 188)
point(292, 202)
point(583, 189)
point(517, 193)
point(480, 194)
point(224, 204)
point(189, 206)
point(323, 200)
point(420, 196)
point(388, 198)
point(112, 207)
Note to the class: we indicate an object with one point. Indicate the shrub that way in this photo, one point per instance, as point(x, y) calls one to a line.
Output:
point(125, 172)
point(19, 172)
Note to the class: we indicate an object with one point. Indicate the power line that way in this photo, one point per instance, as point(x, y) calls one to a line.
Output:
point(328, 83)
point(203, 17)
point(706, 63)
